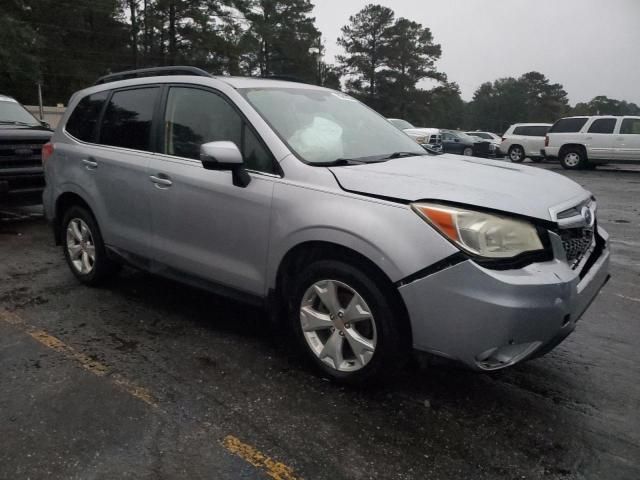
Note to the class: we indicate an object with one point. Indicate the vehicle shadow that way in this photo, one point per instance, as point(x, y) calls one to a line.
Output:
point(486, 418)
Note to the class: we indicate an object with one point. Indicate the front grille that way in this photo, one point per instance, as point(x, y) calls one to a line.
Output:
point(20, 153)
point(435, 139)
point(576, 243)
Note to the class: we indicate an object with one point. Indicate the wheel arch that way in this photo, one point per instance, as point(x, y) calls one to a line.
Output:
point(309, 251)
point(63, 202)
point(568, 146)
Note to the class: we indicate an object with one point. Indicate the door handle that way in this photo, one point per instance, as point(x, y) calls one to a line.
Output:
point(161, 181)
point(90, 163)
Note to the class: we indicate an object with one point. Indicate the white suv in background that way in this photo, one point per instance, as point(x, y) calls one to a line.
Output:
point(522, 140)
point(582, 142)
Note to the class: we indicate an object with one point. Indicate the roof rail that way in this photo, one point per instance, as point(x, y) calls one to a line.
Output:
point(152, 72)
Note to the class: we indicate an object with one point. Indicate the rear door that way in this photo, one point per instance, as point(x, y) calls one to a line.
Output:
point(120, 164)
point(627, 141)
point(599, 138)
point(203, 225)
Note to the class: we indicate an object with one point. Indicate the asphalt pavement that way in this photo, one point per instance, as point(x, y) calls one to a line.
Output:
point(149, 379)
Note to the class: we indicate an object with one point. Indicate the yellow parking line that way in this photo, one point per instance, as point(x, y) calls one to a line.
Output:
point(273, 468)
point(85, 361)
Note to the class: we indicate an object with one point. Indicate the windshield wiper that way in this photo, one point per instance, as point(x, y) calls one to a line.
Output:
point(393, 155)
point(339, 162)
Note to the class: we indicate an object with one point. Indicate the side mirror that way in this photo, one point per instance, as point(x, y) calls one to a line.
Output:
point(225, 156)
point(45, 124)
point(457, 140)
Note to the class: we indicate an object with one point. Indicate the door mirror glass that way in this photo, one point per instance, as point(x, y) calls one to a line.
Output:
point(223, 155)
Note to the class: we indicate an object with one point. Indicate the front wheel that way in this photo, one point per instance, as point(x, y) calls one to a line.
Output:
point(573, 159)
point(345, 323)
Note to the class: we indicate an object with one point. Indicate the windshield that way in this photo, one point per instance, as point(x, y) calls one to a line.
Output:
point(322, 126)
point(401, 124)
point(14, 113)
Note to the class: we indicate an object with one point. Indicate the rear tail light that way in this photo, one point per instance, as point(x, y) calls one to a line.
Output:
point(47, 151)
point(546, 140)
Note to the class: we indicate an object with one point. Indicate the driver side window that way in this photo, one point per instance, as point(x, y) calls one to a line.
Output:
point(194, 116)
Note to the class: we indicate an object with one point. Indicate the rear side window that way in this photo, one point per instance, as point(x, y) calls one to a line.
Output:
point(83, 119)
point(568, 125)
point(127, 120)
point(531, 130)
point(603, 125)
point(538, 130)
point(630, 126)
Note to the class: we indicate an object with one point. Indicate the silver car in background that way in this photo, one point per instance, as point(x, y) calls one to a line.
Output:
point(302, 199)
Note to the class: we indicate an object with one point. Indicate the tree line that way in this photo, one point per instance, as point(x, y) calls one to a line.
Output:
point(387, 62)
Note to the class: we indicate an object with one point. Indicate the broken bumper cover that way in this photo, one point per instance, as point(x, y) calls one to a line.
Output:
point(489, 319)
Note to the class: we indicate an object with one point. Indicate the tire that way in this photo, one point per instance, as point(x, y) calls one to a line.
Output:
point(516, 154)
point(80, 233)
point(329, 332)
point(467, 152)
point(573, 159)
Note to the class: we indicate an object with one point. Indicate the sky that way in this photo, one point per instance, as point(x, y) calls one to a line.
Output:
point(591, 47)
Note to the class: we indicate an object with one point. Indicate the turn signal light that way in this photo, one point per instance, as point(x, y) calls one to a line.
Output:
point(47, 151)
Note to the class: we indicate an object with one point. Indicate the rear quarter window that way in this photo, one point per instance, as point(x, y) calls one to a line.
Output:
point(568, 125)
point(83, 119)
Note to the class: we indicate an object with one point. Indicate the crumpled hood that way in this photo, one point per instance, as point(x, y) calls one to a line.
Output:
point(518, 189)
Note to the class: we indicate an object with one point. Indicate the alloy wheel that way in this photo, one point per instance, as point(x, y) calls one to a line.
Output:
point(80, 246)
point(516, 154)
point(338, 325)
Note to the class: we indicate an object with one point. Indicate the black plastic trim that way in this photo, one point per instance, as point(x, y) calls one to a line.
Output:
point(450, 261)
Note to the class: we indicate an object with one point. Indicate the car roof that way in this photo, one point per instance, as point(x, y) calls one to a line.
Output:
point(532, 124)
point(213, 81)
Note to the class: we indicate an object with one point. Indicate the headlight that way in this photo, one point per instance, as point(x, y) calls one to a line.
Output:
point(421, 140)
point(480, 233)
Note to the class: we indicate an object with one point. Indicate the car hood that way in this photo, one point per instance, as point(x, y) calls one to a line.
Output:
point(518, 189)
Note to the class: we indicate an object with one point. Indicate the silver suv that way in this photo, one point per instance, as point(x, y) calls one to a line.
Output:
point(304, 200)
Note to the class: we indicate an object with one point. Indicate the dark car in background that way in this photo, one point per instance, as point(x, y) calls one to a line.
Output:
point(460, 143)
point(21, 139)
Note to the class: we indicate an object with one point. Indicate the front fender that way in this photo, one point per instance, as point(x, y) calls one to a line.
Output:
point(389, 234)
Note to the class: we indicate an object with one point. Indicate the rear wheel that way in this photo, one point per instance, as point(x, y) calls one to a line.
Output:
point(83, 247)
point(468, 151)
point(516, 154)
point(345, 323)
point(573, 159)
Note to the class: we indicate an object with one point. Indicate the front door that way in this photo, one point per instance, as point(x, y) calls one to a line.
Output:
point(203, 225)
